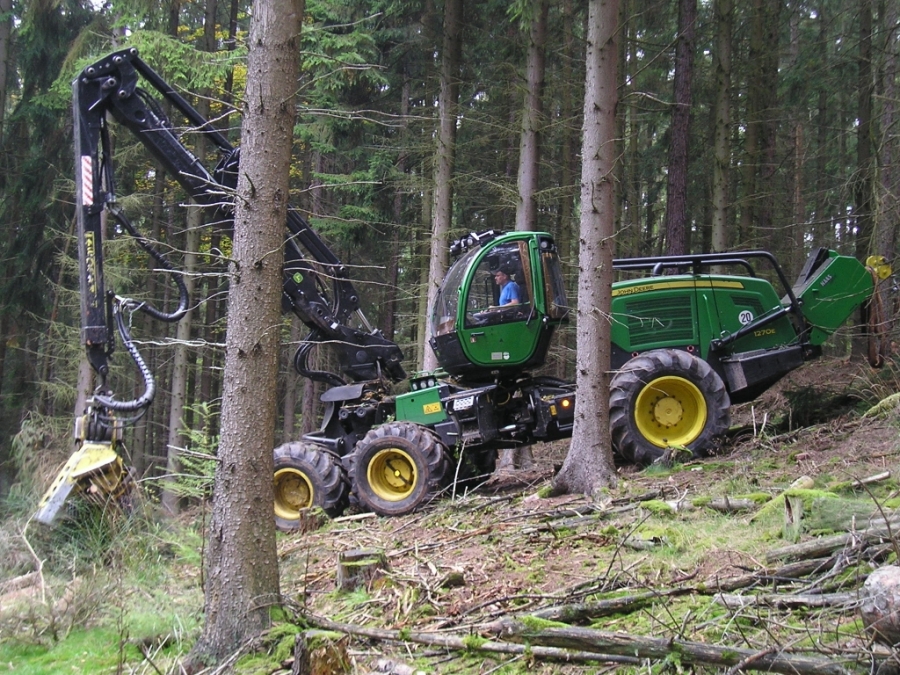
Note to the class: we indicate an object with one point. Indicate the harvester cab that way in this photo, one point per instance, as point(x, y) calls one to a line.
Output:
point(499, 305)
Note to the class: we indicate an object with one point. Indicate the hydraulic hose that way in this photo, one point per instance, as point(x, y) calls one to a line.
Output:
point(145, 244)
point(143, 401)
point(117, 306)
point(301, 362)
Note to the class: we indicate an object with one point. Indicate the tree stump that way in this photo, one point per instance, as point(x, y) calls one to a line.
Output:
point(319, 652)
point(880, 604)
point(311, 519)
point(360, 567)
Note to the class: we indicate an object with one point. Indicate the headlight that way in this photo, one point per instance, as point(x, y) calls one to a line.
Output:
point(464, 403)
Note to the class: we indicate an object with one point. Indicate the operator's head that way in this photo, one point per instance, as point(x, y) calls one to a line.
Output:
point(502, 274)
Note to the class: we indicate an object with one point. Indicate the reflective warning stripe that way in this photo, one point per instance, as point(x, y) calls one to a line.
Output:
point(87, 180)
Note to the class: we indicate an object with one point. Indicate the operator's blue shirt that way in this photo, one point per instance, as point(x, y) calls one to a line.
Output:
point(509, 292)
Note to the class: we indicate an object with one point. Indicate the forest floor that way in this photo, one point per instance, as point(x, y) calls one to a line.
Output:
point(679, 568)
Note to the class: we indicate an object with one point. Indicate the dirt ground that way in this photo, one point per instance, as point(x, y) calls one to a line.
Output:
point(468, 560)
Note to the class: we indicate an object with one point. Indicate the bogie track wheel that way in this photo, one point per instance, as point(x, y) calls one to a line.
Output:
point(666, 398)
point(305, 476)
point(396, 468)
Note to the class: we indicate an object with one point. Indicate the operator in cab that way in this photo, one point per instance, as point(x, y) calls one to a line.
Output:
point(509, 289)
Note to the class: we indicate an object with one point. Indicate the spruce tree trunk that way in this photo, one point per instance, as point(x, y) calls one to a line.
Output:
point(589, 465)
point(864, 163)
point(759, 139)
point(532, 115)
point(177, 439)
point(889, 174)
point(863, 189)
point(676, 202)
point(722, 132)
point(567, 235)
point(442, 212)
point(6, 22)
point(242, 581)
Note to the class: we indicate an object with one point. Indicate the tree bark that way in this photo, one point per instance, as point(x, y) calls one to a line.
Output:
point(863, 188)
point(760, 135)
point(864, 164)
point(242, 581)
point(724, 12)
point(889, 171)
point(442, 212)
point(589, 466)
point(689, 652)
point(532, 114)
point(676, 190)
point(6, 22)
point(180, 369)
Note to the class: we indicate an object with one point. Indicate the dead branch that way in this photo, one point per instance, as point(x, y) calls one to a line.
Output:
point(588, 639)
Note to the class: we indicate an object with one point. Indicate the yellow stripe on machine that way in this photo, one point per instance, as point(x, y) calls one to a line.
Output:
point(667, 285)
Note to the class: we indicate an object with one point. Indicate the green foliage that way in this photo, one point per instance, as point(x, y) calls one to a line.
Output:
point(181, 64)
point(90, 649)
point(198, 459)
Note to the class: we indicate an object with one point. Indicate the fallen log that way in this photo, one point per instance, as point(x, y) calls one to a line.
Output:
point(582, 611)
point(785, 573)
point(878, 531)
point(469, 643)
point(689, 652)
point(729, 504)
point(788, 600)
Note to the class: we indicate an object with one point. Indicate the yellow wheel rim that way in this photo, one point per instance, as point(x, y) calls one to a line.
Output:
point(392, 474)
point(293, 491)
point(670, 411)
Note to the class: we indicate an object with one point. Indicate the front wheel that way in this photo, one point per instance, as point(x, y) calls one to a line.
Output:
point(396, 468)
point(666, 398)
point(307, 475)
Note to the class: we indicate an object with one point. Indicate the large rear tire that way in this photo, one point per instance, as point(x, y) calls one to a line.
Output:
point(396, 468)
point(305, 476)
point(666, 398)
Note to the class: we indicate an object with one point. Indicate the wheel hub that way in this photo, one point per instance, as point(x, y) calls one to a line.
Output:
point(293, 491)
point(392, 474)
point(669, 411)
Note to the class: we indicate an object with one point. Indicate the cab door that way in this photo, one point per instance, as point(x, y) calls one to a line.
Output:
point(492, 334)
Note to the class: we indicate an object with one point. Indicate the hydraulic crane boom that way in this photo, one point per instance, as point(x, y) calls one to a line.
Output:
point(316, 285)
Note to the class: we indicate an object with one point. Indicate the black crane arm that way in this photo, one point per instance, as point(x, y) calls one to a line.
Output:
point(316, 287)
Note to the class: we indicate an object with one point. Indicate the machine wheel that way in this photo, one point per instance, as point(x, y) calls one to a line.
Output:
point(397, 467)
point(666, 398)
point(307, 475)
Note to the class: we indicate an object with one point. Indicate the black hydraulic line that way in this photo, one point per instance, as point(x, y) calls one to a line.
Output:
point(144, 243)
point(301, 362)
point(146, 398)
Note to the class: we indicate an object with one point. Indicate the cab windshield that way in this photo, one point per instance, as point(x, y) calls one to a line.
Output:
point(443, 317)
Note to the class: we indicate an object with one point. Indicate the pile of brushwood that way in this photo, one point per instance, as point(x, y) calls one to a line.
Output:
point(771, 580)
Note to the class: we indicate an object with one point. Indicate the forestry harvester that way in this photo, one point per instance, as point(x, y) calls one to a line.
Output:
point(688, 339)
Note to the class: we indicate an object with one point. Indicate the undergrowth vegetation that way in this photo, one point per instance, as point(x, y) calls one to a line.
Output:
point(692, 553)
